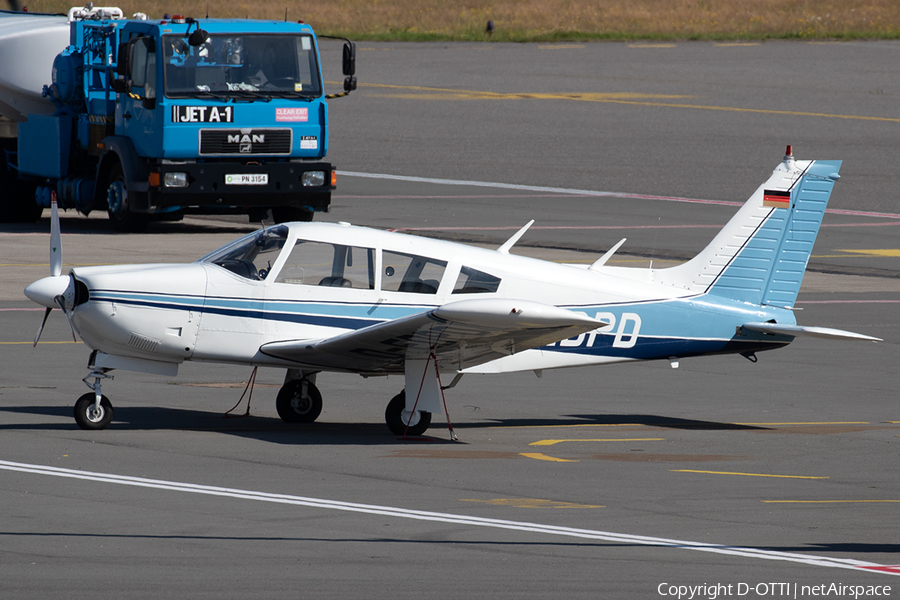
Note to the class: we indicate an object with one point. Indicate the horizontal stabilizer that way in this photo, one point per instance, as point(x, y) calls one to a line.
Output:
point(820, 332)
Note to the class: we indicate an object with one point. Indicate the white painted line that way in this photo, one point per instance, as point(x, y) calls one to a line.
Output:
point(403, 513)
point(531, 188)
point(575, 192)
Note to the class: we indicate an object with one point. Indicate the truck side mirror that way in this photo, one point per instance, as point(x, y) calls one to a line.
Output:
point(122, 60)
point(350, 60)
point(120, 82)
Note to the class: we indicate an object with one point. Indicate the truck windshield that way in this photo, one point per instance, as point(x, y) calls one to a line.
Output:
point(241, 65)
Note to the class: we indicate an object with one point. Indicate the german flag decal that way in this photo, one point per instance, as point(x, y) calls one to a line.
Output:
point(777, 198)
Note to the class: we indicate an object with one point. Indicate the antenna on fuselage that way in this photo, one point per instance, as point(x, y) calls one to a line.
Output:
point(602, 260)
point(504, 249)
point(653, 247)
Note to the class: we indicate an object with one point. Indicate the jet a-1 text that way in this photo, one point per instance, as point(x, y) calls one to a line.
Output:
point(313, 297)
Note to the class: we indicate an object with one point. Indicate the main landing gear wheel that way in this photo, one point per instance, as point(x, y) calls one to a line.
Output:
point(299, 401)
point(90, 416)
point(399, 421)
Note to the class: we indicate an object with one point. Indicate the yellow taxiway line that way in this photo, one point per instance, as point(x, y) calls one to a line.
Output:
point(828, 501)
point(747, 474)
point(42, 343)
point(531, 503)
point(539, 456)
point(552, 442)
point(621, 98)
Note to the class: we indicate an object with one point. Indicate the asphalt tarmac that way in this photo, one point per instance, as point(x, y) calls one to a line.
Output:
point(618, 482)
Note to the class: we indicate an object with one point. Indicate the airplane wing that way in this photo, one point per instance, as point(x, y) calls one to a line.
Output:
point(461, 334)
point(797, 330)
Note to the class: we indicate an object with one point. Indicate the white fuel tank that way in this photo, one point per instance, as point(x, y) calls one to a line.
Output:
point(28, 44)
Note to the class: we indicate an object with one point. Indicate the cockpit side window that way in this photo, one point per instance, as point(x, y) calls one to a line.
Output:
point(330, 265)
point(251, 256)
point(410, 273)
point(473, 281)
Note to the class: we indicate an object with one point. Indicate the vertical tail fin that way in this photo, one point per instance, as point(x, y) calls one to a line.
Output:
point(761, 254)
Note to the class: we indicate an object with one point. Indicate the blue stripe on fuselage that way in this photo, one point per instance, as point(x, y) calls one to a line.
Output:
point(339, 315)
point(673, 327)
point(690, 326)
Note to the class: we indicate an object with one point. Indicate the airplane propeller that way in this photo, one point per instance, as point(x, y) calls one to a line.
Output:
point(41, 328)
point(50, 291)
point(61, 302)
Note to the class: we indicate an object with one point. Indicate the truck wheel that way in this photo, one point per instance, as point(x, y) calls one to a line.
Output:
point(123, 218)
point(284, 214)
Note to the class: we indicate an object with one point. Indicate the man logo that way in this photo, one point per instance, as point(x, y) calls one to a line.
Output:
point(246, 140)
point(256, 138)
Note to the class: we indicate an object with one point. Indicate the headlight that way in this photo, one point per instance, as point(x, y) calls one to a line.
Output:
point(313, 178)
point(176, 180)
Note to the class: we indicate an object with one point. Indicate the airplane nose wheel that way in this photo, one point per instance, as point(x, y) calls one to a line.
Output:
point(94, 410)
point(299, 401)
point(90, 415)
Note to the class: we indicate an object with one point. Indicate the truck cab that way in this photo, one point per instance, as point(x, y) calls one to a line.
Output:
point(175, 116)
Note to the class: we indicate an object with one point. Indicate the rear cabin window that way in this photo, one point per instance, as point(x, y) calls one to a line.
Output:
point(473, 281)
point(329, 265)
point(410, 273)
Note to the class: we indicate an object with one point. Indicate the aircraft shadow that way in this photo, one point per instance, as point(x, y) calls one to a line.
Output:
point(841, 548)
point(600, 420)
point(148, 418)
point(262, 428)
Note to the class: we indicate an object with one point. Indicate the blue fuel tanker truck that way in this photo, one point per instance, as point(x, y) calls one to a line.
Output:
point(152, 119)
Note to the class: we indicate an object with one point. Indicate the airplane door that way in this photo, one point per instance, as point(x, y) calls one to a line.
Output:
point(234, 321)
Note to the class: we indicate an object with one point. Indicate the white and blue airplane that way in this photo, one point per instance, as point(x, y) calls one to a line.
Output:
point(313, 297)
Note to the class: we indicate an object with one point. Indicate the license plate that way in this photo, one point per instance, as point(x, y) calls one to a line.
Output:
point(247, 179)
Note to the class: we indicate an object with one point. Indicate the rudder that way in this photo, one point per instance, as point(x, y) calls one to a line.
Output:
point(761, 254)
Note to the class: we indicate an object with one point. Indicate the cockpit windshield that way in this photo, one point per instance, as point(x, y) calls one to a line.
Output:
point(229, 66)
point(253, 255)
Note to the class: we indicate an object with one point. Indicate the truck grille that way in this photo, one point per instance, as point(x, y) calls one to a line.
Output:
point(247, 142)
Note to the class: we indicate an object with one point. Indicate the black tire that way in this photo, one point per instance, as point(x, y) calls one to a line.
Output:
point(87, 418)
point(393, 416)
point(294, 406)
point(285, 214)
point(118, 204)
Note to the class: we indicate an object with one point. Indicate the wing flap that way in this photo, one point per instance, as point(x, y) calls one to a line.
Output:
point(820, 332)
point(461, 334)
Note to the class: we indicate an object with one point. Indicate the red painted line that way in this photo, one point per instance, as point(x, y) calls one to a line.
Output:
point(558, 227)
point(862, 213)
point(484, 196)
point(849, 302)
point(613, 227)
point(884, 569)
point(888, 224)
